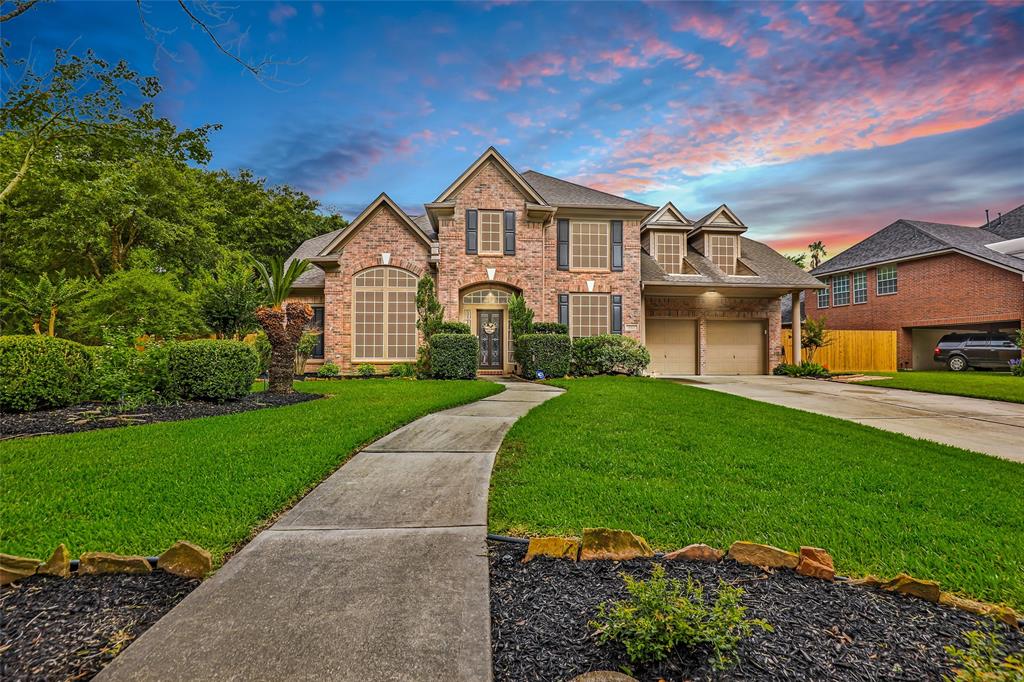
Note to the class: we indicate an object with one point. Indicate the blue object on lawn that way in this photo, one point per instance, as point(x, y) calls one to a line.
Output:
point(540, 374)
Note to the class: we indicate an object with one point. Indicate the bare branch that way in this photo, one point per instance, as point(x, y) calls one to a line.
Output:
point(20, 7)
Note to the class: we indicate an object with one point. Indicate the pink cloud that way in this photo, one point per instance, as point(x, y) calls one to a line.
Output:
point(280, 13)
point(531, 69)
point(482, 96)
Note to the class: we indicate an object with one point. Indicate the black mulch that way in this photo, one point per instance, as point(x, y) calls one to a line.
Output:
point(57, 629)
point(823, 631)
point(89, 416)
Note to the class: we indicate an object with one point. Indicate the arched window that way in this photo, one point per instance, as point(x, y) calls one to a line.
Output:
point(384, 315)
point(485, 296)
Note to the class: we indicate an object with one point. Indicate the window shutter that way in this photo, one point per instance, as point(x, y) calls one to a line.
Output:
point(563, 309)
point(471, 231)
point(617, 312)
point(616, 246)
point(510, 233)
point(563, 244)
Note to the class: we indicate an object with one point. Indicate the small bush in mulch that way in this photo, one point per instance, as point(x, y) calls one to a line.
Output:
point(57, 629)
point(541, 610)
point(89, 416)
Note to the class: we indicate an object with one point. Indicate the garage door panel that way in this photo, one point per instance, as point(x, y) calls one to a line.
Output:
point(735, 347)
point(672, 345)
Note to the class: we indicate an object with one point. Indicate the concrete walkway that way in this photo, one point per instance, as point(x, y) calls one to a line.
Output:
point(993, 427)
point(380, 573)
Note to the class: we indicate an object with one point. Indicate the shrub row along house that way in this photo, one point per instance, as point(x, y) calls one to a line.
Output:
point(925, 280)
point(700, 295)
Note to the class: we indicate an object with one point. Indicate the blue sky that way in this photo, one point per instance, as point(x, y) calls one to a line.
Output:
point(811, 121)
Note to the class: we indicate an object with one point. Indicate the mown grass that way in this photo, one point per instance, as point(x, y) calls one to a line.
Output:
point(138, 489)
point(990, 385)
point(679, 464)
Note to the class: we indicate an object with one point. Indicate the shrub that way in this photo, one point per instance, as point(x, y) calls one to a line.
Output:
point(126, 374)
point(453, 356)
point(983, 659)
point(1017, 367)
point(212, 370)
point(261, 344)
point(804, 369)
point(402, 370)
point(304, 348)
point(658, 617)
point(452, 327)
point(550, 328)
point(328, 370)
point(366, 370)
point(42, 371)
point(608, 354)
point(520, 317)
point(546, 353)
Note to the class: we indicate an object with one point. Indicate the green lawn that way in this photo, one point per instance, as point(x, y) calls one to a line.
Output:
point(678, 464)
point(137, 490)
point(991, 385)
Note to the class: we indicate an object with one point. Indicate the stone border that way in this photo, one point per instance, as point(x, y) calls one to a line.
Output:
point(812, 562)
point(183, 558)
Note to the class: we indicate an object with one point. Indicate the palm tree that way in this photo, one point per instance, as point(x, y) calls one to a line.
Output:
point(45, 298)
point(283, 323)
point(818, 252)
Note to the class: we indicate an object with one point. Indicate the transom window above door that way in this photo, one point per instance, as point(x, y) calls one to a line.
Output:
point(589, 245)
point(485, 297)
point(490, 233)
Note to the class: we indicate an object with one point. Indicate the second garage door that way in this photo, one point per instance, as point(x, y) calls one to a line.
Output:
point(735, 347)
point(673, 346)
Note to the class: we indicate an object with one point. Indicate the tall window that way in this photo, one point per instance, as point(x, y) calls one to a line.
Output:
point(316, 324)
point(823, 295)
point(669, 251)
point(589, 245)
point(490, 233)
point(860, 287)
point(887, 280)
point(841, 290)
point(722, 250)
point(384, 315)
point(588, 314)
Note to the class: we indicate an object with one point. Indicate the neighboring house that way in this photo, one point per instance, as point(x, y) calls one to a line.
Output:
point(924, 280)
point(702, 297)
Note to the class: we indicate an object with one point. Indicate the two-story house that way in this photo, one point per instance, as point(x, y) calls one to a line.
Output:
point(701, 296)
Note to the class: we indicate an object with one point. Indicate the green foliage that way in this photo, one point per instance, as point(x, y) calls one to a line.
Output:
point(813, 336)
point(429, 318)
point(985, 659)
point(126, 374)
point(799, 260)
point(453, 356)
point(547, 353)
point(550, 328)
point(45, 298)
point(658, 617)
point(402, 370)
point(42, 371)
point(227, 299)
point(366, 370)
point(608, 354)
point(277, 279)
point(804, 369)
point(520, 317)
point(212, 370)
point(453, 327)
point(817, 250)
point(307, 342)
point(328, 370)
point(261, 345)
point(1016, 367)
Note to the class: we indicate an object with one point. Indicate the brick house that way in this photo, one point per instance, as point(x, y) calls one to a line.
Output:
point(701, 296)
point(925, 280)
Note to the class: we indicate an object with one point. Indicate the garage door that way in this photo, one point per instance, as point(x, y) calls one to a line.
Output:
point(673, 346)
point(735, 347)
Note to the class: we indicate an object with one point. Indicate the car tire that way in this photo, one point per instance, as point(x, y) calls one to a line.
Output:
point(957, 363)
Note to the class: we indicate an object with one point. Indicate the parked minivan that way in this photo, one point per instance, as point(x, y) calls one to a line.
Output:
point(976, 350)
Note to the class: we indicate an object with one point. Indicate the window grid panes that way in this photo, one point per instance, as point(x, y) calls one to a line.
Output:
point(887, 279)
point(589, 246)
point(722, 249)
point(860, 287)
point(823, 295)
point(668, 249)
point(316, 324)
point(490, 232)
point(588, 314)
point(488, 296)
point(841, 290)
point(384, 314)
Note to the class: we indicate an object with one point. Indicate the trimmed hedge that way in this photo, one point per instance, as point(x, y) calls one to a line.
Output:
point(212, 370)
point(452, 327)
point(608, 354)
point(42, 371)
point(550, 328)
point(453, 356)
point(547, 353)
point(121, 373)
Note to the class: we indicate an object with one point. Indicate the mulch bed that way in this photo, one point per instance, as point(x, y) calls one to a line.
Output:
point(57, 629)
point(89, 416)
point(823, 631)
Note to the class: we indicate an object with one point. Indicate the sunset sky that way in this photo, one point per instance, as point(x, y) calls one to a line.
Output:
point(811, 120)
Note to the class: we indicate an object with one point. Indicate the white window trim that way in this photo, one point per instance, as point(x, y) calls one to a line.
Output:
point(878, 280)
point(385, 289)
point(501, 233)
point(607, 224)
point(853, 287)
point(827, 291)
point(608, 318)
point(849, 292)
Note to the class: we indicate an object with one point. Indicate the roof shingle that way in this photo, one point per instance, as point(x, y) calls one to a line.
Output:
point(559, 192)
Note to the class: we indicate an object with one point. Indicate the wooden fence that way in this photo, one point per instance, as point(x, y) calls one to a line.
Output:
point(851, 350)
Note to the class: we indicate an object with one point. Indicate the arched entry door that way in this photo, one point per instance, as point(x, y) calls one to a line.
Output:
point(484, 308)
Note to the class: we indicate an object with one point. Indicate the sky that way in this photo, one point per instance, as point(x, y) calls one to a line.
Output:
point(811, 120)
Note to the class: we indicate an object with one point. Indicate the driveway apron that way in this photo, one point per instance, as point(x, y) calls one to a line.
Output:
point(380, 573)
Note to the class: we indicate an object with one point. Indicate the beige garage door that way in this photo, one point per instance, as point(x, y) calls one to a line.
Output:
point(673, 346)
point(735, 347)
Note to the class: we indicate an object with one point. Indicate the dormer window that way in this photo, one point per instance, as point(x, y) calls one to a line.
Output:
point(490, 233)
point(669, 250)
point(722, 251)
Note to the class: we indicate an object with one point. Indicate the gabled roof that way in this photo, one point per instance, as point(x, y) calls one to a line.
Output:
point(667, 217)
point(907, 239)
point(771, 268)
point(382, 200)
point(563, 193)
point(313, 277)
point(1009, 225)
point(491, 154)
point(722, 218)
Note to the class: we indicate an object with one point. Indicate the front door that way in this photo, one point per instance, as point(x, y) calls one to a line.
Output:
point(489, 330)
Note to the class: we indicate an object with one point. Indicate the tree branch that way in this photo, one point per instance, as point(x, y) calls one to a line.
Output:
point(19, 9)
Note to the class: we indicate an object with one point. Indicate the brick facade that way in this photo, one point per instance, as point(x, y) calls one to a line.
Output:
point(941, 291)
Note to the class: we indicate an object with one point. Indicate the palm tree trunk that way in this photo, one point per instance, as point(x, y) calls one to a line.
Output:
point(284, 328)
point(53, 320)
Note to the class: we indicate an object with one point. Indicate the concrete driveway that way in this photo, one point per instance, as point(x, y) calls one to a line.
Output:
point(989, 426)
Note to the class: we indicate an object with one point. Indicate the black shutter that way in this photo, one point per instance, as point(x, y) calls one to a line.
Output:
point(471, 231)
point(617, 312)
point(563, 309)
point(510, 233)
point(563, 244)
point(617, 246)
